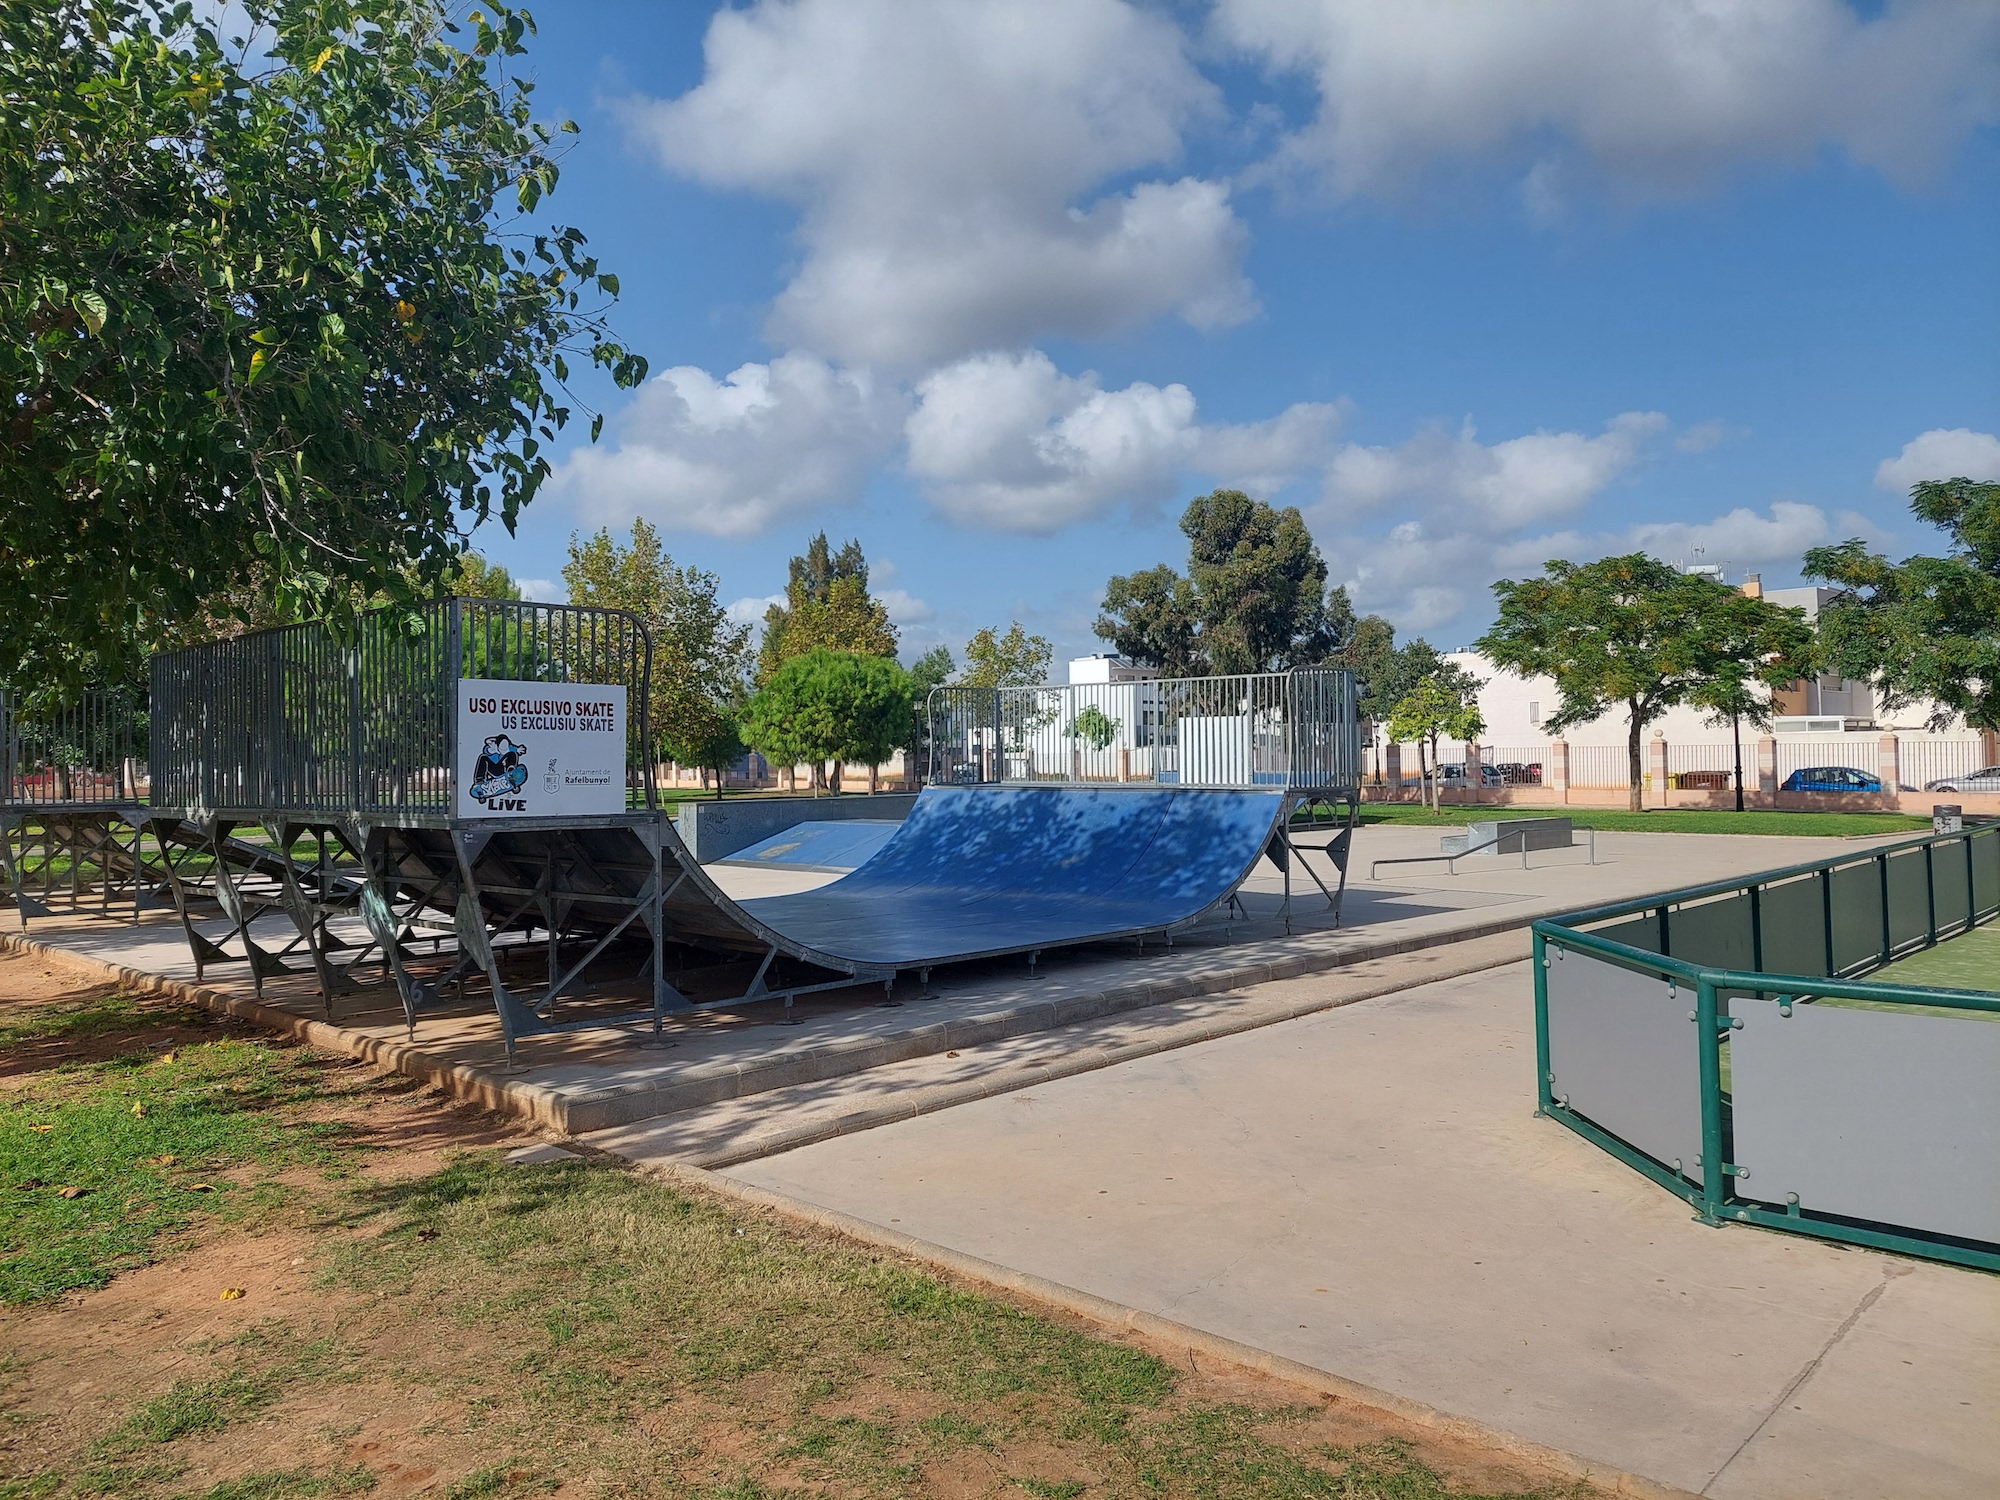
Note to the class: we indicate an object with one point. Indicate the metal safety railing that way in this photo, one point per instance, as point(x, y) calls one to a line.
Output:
point(302, 719)
point(1297, 730)
point(1723, 1041)
point(91, 750)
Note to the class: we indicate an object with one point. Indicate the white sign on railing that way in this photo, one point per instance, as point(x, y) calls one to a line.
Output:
point(540, 749)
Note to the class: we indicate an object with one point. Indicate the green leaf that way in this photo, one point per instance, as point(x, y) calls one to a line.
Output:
point(596, 426)
point(609, 282)
point(93, 309)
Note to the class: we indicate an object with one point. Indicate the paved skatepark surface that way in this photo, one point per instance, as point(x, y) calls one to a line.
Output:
point(1367, 1191)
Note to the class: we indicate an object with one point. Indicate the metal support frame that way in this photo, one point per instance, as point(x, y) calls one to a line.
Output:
point(82, 855)
point(1713, 1195)
point(1285, 849)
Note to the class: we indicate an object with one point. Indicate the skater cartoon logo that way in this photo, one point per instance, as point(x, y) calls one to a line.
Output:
point(498, 774)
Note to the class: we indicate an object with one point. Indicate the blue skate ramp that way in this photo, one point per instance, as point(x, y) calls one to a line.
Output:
point(976, 871)
point(833, 847)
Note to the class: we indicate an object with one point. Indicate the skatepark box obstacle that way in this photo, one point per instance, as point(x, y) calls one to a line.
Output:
point(463, 800)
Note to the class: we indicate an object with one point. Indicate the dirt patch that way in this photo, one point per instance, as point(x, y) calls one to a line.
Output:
point(419, 1319)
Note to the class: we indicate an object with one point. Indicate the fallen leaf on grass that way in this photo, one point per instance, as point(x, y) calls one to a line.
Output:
point(199, 1187)
point(139, 1110)
point(71, 1192)
point(29, 1186)
point(231, 1294)
point(41, 1129)
point(427, 1234)
point(165, 1159)
point(166, 1057)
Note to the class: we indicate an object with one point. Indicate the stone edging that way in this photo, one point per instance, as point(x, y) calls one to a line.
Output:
point(578, 1112)
point(522, 1100)
point(1180, 1336)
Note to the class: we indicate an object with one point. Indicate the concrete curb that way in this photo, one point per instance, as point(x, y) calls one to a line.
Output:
point(1088, 1060)
point(474, 1085)
point(1180, 1336)
point(579, 1112)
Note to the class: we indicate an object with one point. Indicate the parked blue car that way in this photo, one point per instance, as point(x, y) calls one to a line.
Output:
point(1831, 779)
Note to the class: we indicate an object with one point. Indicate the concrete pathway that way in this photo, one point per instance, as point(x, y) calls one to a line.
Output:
point(1366, 1191)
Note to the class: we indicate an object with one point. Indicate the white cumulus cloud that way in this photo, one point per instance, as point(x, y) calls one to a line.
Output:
point(1739, 539)
point(1536, 477)
point(731, 457)
point(1656, 96)
point(750, 609)
point(905, 608)
point(1941, 453)
point(1007, 442)
point(948, 162)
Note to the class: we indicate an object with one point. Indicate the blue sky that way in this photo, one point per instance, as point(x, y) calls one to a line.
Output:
point(997, 288)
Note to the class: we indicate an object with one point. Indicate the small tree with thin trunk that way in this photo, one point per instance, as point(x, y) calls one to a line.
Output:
point(1636, 632)
point(1439, 706)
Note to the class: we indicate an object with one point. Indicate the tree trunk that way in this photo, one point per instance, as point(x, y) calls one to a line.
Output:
point(839, 781)
point(1635, 762)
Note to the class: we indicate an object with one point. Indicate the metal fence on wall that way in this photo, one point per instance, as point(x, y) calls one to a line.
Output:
point(1603, 766)
point(301, 719)
point(91, 750)
point(1720, 1039)
point(1853, 753)
point(1518, 765)
point(1923, 761)
point(1290, 729)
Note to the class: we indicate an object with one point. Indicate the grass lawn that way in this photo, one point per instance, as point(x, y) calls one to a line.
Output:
point(1664, 820)
point(238, 1269)
point(1970, 961)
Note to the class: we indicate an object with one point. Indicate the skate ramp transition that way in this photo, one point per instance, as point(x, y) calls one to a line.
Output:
point(976, 871)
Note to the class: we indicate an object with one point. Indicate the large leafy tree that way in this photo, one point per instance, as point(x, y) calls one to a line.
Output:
point(1634, 632)
point(268, 306)
point(836, 706)
point(827, 604)
point(700, 658)
point(1254, 597)
point(1012, 659)
point(1150, 618)
point(1927, 628)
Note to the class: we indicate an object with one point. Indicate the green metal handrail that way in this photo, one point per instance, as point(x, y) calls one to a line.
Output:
point(1713, 1196)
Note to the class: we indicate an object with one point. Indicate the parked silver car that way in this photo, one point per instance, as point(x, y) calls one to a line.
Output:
point(1986, 779)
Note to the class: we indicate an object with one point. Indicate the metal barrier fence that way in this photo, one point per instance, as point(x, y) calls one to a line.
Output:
point(91, 751)
point(1717, 1039)
point(1852, 753)
point(1600, 766)
point(1924, 761)
point(1297, 730)
point(1518, 765)
point(298, 719)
